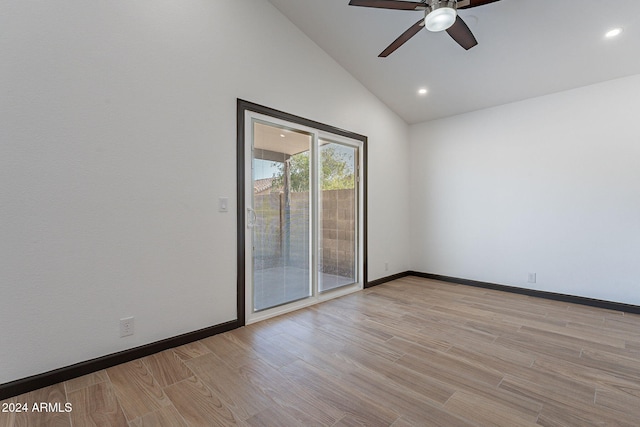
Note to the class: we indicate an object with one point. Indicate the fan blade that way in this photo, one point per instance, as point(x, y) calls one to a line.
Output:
point(404, 37)
point(467, 4)
point(462, 34)
point(389, 4)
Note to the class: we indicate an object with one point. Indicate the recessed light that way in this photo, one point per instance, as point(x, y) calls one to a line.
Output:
point(422, 91)
point(613, 33)
point(282, 135)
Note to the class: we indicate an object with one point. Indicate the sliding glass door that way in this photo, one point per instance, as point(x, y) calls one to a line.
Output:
point(303, 223)
point(338, 215)
point(280, 215)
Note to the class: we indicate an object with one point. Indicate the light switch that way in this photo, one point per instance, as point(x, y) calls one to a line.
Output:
point(223, 204)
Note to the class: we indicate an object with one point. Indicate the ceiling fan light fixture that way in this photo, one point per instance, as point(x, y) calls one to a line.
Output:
point(440, 15)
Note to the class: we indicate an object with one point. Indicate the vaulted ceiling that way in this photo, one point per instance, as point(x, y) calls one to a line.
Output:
point(526, 48)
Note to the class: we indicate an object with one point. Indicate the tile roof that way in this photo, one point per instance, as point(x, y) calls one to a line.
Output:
point(262, 185)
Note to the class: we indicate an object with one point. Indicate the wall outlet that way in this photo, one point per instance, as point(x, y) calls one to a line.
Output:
point(386, 266)
point(532, 278)
point(126, 326)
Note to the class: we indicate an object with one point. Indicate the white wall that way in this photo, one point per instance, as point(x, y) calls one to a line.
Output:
point(550, 185)
point(117, 128)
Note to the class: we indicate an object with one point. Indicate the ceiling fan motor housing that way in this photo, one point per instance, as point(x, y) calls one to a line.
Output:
point(435, 4)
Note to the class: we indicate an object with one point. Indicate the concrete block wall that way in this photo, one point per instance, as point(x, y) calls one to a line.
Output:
point(338, 236)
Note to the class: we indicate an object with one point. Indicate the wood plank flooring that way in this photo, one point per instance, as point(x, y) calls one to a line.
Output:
point(407, 353)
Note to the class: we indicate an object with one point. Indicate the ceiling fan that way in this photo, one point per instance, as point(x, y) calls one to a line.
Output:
point(440, 15)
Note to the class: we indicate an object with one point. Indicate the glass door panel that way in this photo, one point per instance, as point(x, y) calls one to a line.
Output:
point(338, 215)
point(281, 215)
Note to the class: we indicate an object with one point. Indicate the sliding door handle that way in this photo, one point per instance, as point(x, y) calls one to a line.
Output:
point(251, 218)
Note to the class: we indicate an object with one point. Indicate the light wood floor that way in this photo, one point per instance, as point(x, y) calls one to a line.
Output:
point(410, 352)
